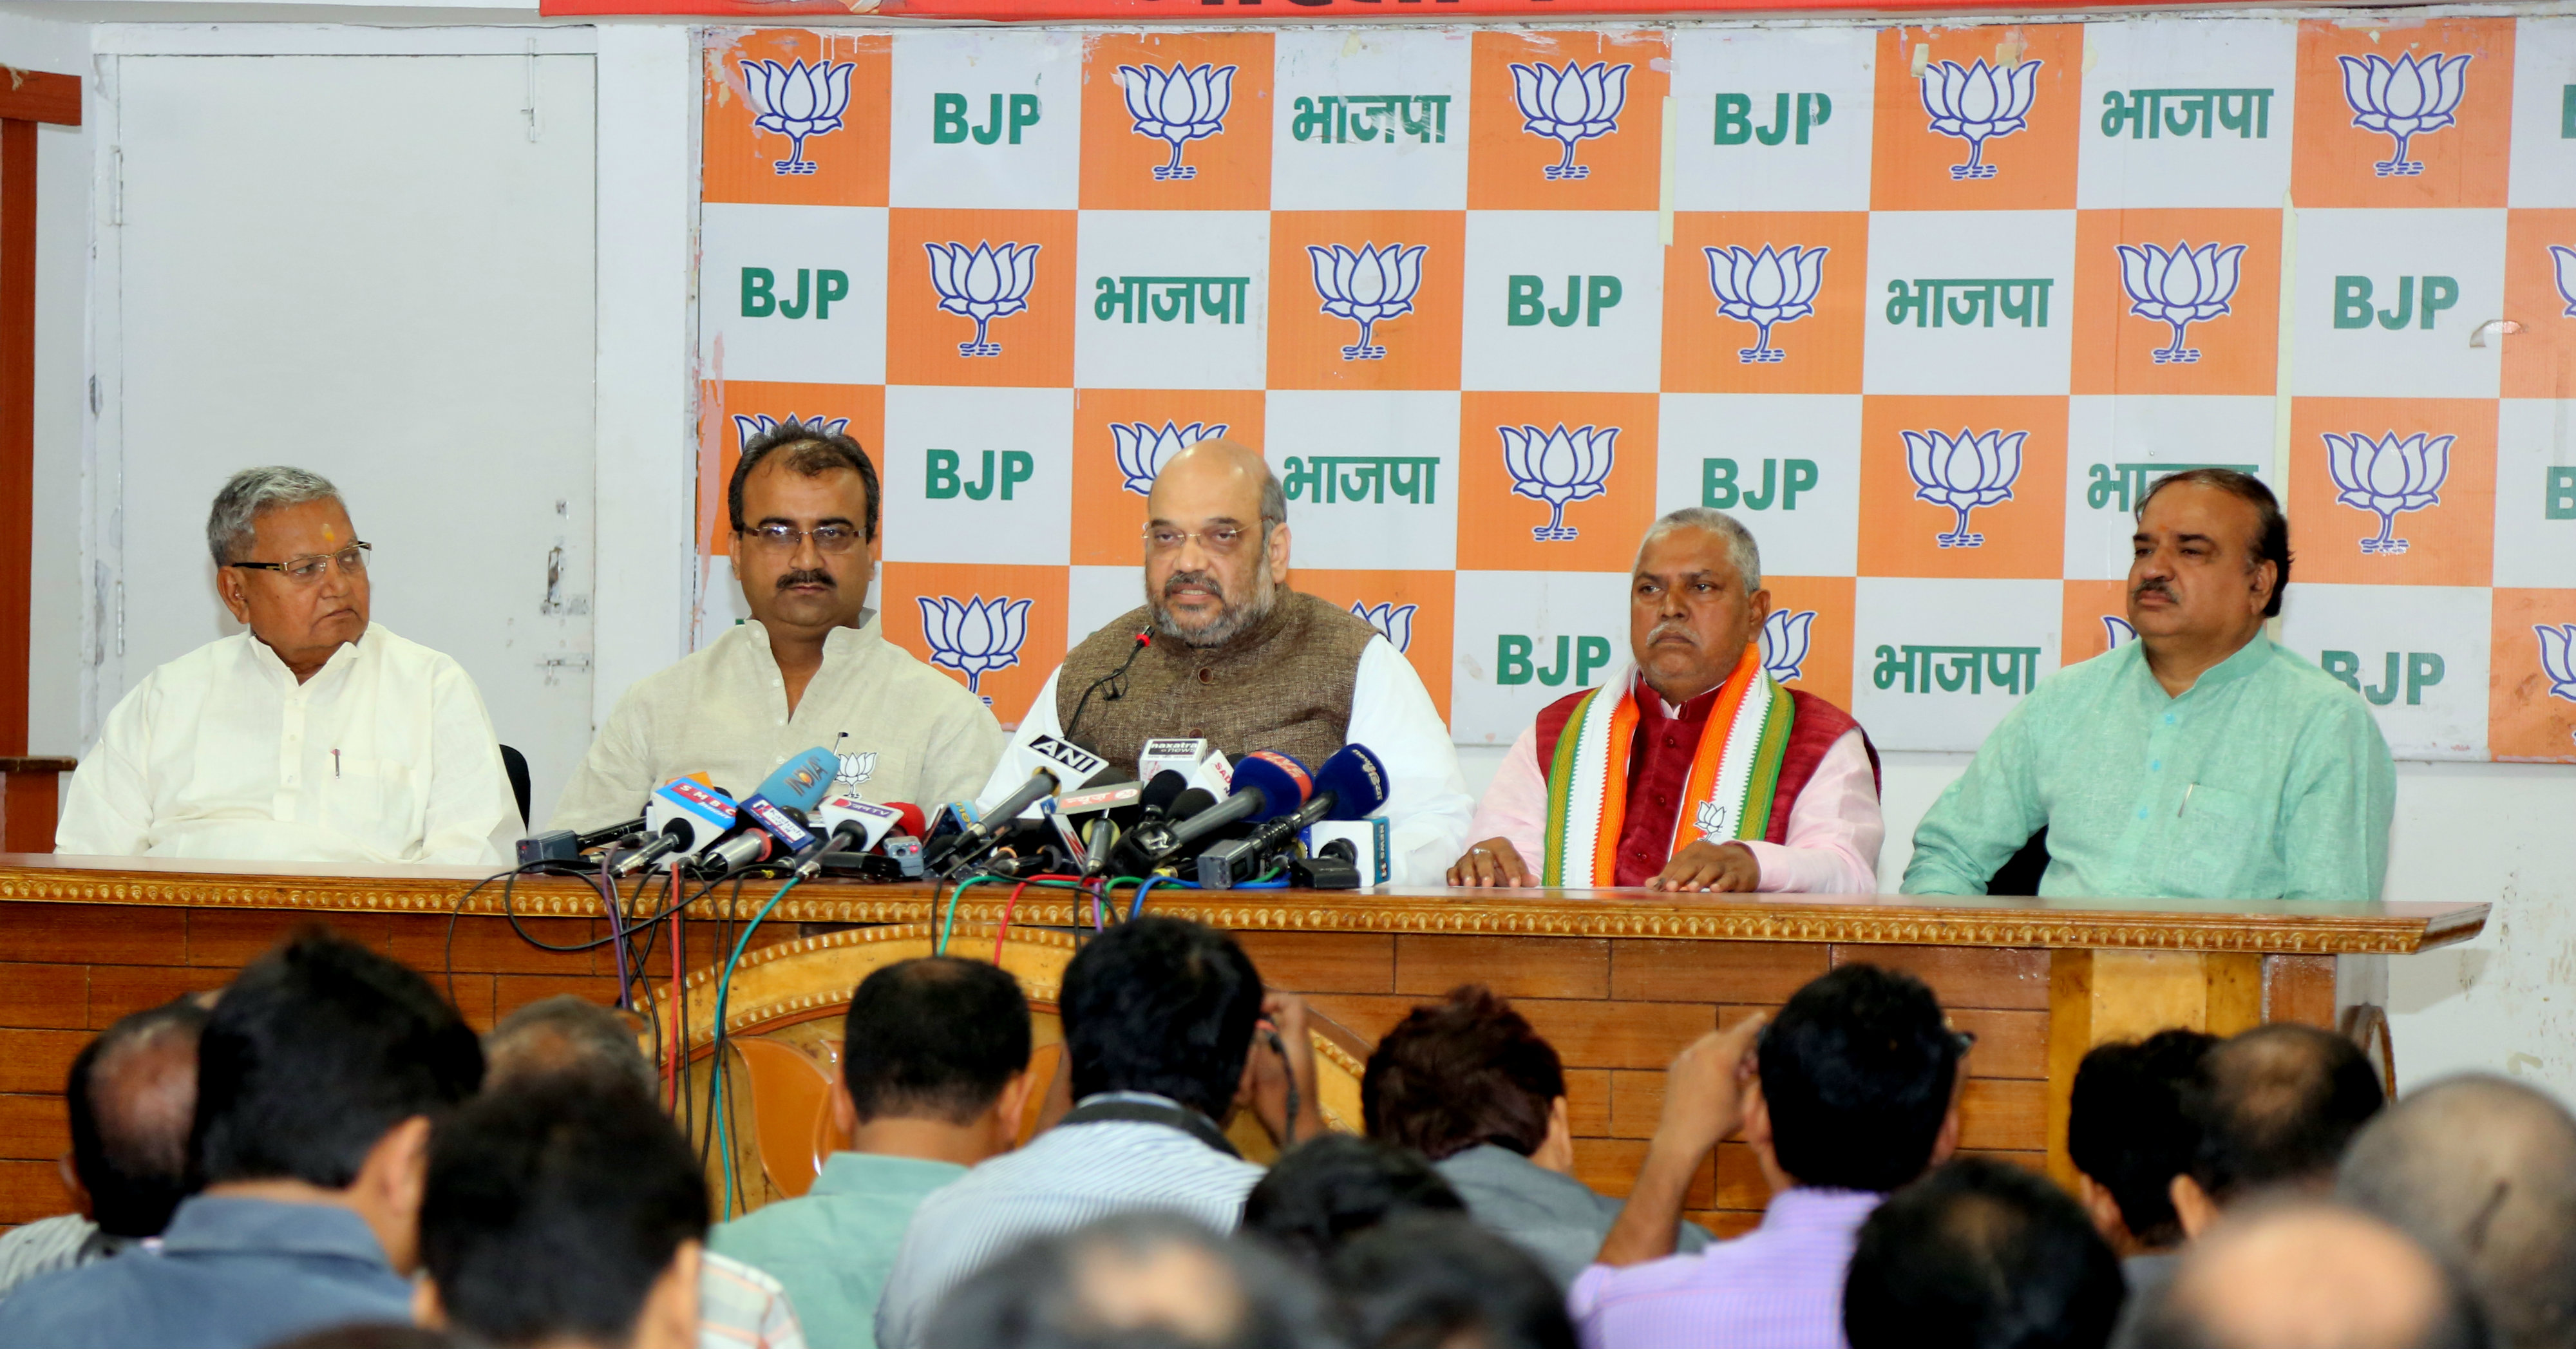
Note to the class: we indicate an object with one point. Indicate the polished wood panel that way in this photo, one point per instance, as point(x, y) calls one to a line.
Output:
point(1618, 980)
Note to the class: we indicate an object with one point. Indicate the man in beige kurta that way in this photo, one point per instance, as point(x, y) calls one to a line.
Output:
point(811, 666)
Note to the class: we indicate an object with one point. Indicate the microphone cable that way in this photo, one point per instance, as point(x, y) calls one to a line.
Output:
point(1115, 681)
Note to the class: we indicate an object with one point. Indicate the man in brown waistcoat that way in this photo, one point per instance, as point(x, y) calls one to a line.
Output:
point(1692, 769)
point(1232, 655)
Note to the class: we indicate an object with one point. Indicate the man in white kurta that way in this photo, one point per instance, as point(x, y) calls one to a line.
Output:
point(316, 736)
point(811, 667)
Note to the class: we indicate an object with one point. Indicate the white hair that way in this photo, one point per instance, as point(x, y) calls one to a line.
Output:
point(1740, 547)
point(252, 491)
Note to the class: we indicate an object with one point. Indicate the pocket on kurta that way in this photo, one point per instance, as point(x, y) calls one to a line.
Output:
point(371, 800)
point(2217, 836)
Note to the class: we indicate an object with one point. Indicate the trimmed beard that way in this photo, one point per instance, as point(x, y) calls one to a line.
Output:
point(1231, 622)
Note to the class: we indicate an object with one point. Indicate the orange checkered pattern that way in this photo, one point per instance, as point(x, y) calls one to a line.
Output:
point(1926, 309)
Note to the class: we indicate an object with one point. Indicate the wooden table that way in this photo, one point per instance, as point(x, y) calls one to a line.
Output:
point(1618, 980)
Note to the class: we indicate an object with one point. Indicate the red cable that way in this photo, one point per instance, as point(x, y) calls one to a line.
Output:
point(1013, 902)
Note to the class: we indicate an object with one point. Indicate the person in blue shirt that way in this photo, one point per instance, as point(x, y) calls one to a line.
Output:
point(318, 1074)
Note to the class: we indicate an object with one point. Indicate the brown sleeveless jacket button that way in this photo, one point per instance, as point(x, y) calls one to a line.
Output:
point(1206, 675)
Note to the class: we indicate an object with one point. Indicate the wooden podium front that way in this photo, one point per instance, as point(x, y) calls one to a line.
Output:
point(1618, 980)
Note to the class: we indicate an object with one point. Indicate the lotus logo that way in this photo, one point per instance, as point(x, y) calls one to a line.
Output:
point(1142, 450)
point(1393, 621)
point(983, 284)
point(2558, 658)
point(2563, 259)
point(2180, 288)
point(1367, 287)
point(1558, 467)
point(2403, 100)
point(1784, 642)
point(796, 101)
point(974, 637)
point(1179, 105)
point(1963, 473)
point(750, 427)
point(2119, 632)
point(1572, 105)
point(1977, 103)
point(856, 769)
point(2388, 477)
point(1763, 289)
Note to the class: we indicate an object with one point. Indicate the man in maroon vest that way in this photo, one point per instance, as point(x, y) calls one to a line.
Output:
point(1693, 769)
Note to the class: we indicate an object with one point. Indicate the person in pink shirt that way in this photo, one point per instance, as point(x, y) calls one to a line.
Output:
point(1692, 768)
point(1851, 1093)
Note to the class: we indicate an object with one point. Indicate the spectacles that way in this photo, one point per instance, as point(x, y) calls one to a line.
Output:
point(784, 538)
point(307, 570)
point(1220, 540)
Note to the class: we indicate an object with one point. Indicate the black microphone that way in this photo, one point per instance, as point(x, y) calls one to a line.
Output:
point(965, 845)
point(1154, 804)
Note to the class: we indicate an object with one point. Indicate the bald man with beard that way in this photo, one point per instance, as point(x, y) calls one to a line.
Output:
point(1238, 658)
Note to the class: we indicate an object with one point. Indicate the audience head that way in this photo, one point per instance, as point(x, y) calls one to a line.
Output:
point(1326, 1190)
point(937, 1041)
point(1434, 1281)
point(566, 1035)
point(1226, 518)
point(1981, 1254)
point(2301, 1274)
point(1463, 1072)
point(365, 1336)
point(563, 1212)
point(1162, 1005)
point(1136, 1281)
point(132, 1096)
point(2128, 1137)
point(2272, 1106)
point(2483, 1171)
point(288, 563)
point(1860, 1081)
point(803, 503)
point(323, 1064)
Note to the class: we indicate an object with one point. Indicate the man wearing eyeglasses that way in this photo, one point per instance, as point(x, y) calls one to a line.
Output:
point(315, 736)
point(811, 667)
point(1239, 659)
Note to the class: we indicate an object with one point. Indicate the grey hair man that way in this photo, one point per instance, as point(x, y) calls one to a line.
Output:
point(2482, 1170)
point(314, 734)
point(1690, 768)
point(1224, 650)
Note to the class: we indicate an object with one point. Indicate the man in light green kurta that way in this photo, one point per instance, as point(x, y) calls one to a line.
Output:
point(934, 1075)
point(2201, 761)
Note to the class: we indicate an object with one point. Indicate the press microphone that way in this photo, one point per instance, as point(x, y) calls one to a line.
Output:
point(769, 829)
point(1045, 780)
point(683, 813)
point(1162, 790)
point(1266, 784)
point(1350, 785)
point(1089, 800)
point(1200, 763)
point(565, 845)
point(847, 824)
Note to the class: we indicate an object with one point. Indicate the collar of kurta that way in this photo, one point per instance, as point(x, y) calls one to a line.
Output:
point(235, 1225)
point(2244, 661)
point(1696, 710)
point(266, 657)
point(839, 643)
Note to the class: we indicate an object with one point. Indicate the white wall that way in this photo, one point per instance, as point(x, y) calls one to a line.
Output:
point(54, 652)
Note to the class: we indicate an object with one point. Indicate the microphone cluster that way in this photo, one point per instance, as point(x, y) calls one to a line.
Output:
point(790, 823)
point(1194, 817)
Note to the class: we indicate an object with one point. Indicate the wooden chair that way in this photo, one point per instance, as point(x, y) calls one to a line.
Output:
point(783, 1044)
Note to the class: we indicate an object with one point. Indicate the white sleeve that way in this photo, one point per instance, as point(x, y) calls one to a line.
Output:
point(1040, 720)
point(1427, 805)
point(1835, 829)
point(107, 811)
point(473, 815)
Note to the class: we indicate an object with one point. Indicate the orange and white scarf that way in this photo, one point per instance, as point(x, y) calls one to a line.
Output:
point(1733, 775)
